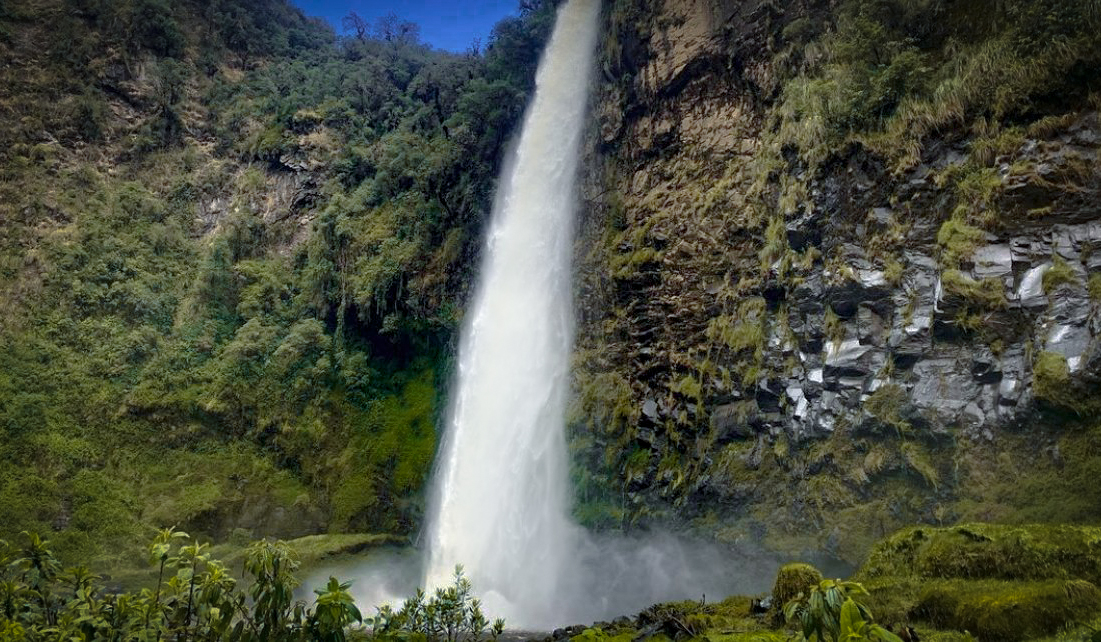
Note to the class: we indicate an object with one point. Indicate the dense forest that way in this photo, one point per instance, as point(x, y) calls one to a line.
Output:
point(235, 250)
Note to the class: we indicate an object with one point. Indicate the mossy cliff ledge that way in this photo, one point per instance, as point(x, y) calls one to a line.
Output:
point(838, 272)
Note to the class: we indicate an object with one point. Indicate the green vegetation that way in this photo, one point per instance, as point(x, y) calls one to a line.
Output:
point(196, 596)
point(958, 240)
point(886, 404)
point(794, 580)
point(988, 551)
point(971, 582)
point(234, 254)
point(988, 294)
point(1060, 273)
point(453, 613)
point(828, 611)
point(1051, 383)
point(998, 582)
point(976, 303)
point(1008, 611)
point(891, 72)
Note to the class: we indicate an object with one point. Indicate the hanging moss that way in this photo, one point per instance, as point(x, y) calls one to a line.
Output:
point(1060, 273)
point(985, 295)
point(886, 405)
point(957, 240)
point(1051, 383)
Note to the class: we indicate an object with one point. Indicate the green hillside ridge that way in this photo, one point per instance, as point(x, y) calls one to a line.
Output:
point(234, 253)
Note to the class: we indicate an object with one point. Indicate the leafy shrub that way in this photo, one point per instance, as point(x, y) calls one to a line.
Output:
point(452, 613)
point(829, 611)
point(196, 597)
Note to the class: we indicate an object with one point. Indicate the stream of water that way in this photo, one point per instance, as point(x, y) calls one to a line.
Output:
point(500, 503)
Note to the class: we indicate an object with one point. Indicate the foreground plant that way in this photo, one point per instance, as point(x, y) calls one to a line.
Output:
point(197, 598)
point(829, 612)
point(452, 613)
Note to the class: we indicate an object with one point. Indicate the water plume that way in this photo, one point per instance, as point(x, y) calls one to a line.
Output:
point(501, 491)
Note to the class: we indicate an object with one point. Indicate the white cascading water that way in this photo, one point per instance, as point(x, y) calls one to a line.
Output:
point(501, 491)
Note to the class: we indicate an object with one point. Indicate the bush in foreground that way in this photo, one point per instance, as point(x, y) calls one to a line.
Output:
point(197, 598)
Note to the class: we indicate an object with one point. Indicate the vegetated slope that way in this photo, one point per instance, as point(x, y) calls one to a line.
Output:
point(839, 268)
point(233, 254)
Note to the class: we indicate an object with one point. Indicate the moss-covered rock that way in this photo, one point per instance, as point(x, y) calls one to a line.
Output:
point(989, 551)
point(597, 634)
point(1052, 384)
point(792, 580)
point(1008, 611)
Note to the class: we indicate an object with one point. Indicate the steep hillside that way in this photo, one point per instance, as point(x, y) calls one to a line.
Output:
point(233, 256)
point(839, 269)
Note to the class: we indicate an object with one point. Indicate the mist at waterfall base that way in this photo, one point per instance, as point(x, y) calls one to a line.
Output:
point(500, 499)
point(616, 574)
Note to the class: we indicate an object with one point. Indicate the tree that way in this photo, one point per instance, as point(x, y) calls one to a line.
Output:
point(391, 28)
point(353, 23)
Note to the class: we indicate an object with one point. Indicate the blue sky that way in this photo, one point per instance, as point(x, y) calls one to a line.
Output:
point(452, 25)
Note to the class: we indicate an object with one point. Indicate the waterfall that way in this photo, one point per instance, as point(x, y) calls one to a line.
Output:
point(500, 503)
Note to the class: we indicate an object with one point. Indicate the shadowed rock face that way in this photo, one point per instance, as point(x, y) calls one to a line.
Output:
point(750, 379)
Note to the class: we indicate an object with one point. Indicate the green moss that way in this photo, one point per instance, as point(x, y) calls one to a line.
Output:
point(976, 188)
point(604, 401)
point(627, 264)
point(893, 271)
point(988, 551)
point(750, 636)
point(1008, 611)
point(793, 580)
point(918, 460)
point(388, 457)
point(738, 334)
point(886, 404)
point(987, 146)
point(776, 246)
point(598, 635)
point(1094, 287)
point(835, 328)
point(311, 551)
point(996, 581)
point(689, 386)
point(315, 548)
point(1051, 382)
point(984, 295)
point(958, 240)
point(1015, 484)
point(1060, 273)
point(636, 465)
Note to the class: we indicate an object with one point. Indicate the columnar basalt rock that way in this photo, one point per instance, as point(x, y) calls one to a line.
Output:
point(862, 289)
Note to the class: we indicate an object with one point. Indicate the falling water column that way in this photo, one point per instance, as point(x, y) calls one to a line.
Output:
point(500, 502)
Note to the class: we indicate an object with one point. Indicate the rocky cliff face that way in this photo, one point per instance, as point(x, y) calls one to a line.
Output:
point(813, 338)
